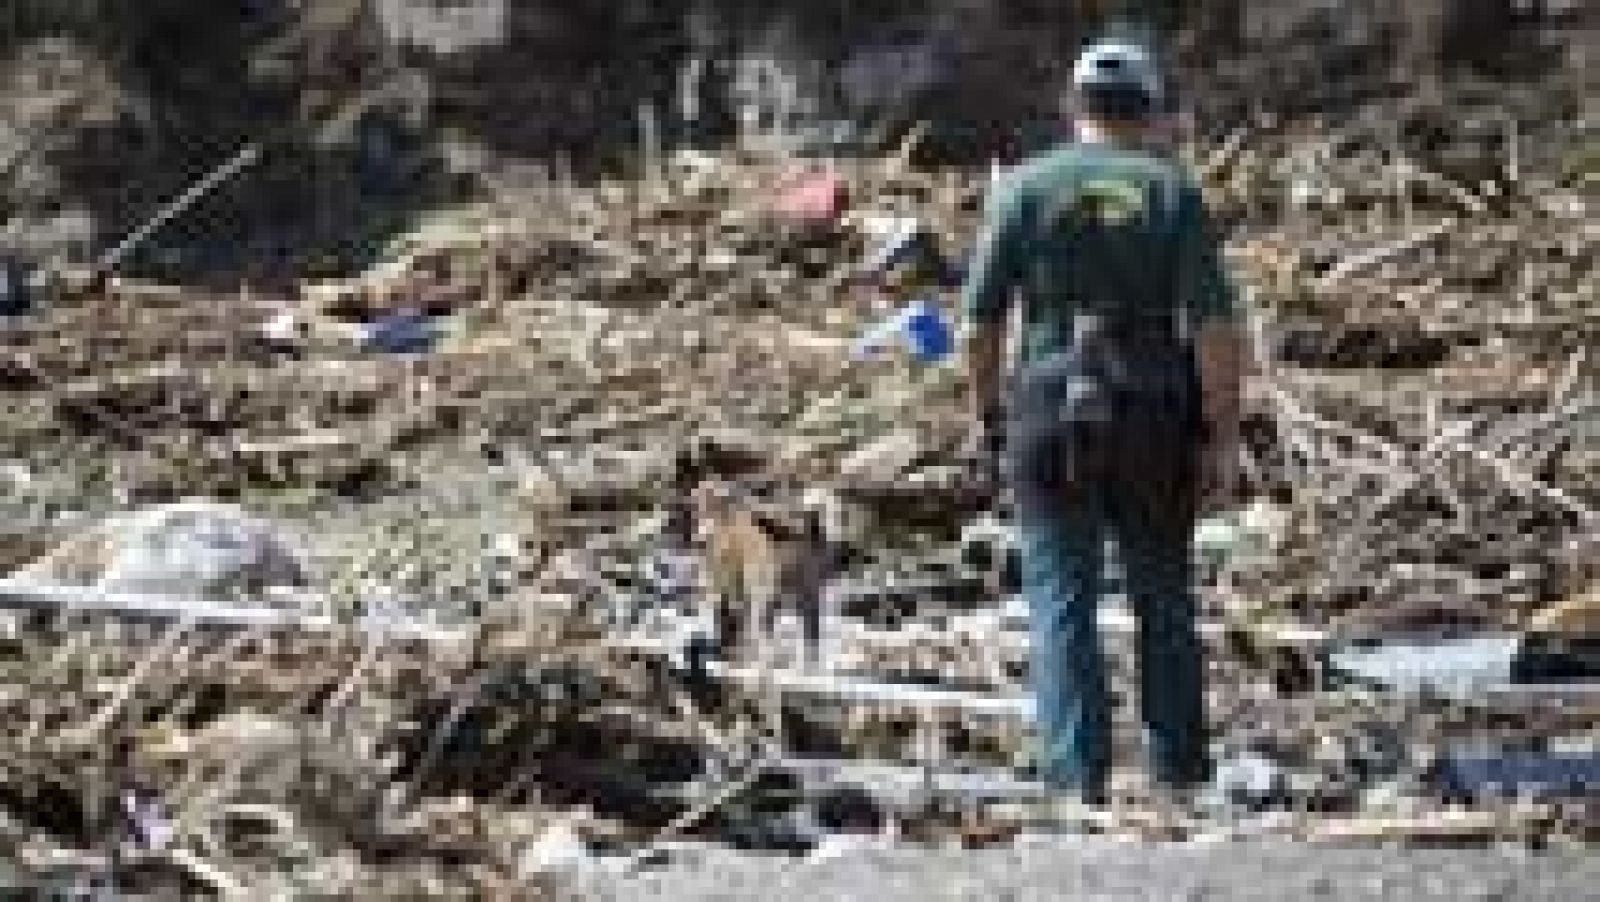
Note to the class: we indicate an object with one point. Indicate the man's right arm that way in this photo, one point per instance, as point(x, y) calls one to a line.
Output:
point(1221, 351)
point(1220, 346)
point(995, 272)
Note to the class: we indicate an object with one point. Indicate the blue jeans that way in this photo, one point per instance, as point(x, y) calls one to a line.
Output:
point(1104, 443)
point(1063, 577)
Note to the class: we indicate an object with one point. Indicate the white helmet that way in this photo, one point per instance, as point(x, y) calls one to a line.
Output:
point(1118, 64)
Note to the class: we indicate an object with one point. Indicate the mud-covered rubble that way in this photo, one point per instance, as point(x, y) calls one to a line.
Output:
point(515, 474)
point(262, 778)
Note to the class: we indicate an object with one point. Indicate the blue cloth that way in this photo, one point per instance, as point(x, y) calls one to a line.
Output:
point(927, 333)
point(1528, 773)
point(402, 333)
point(920, 328)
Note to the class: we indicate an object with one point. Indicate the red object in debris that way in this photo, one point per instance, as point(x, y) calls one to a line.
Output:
point(814, 197)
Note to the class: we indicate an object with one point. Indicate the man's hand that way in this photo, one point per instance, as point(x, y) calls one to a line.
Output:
point(1222, 357)
point(1220, 473)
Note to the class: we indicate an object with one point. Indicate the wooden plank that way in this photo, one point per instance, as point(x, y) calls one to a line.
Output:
point(1436, 825)
point(1528, 693)
point(316, 440)
point(146, 607)
point(981, 784)
point(1356, 263)
point(18, 595)
point(931, 700)
point(821, 685)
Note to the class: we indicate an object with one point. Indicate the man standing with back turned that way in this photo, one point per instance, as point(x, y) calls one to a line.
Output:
point(1122, 418)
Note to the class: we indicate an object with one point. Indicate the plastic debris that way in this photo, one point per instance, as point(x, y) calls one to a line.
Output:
point(403, 333)
point(195, 549)
point(814, 198)
point(560, 849)
point(908, 256)
point(1251, 780)
point(1455, 667)
point(1541, 774)
point(919, 329)
point(1248, 532)
point(885, 459)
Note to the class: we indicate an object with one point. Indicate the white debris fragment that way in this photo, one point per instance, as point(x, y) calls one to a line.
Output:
point(559, 849)
point(16, 473)
point(191, 549)
point(884, 459)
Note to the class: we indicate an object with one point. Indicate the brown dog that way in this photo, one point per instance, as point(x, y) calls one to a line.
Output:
point(756, 563)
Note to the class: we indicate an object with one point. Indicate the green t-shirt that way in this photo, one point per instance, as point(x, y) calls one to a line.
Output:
point(1095, 228)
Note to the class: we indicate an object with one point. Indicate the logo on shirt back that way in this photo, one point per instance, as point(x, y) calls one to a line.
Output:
point(1108, 202)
